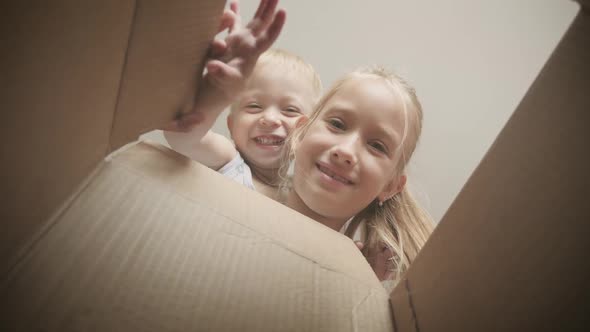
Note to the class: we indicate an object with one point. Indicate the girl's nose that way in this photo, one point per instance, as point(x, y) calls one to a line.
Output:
point(344, 153)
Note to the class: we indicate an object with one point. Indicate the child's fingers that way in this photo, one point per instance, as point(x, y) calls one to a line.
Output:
point(219, 69)
point(217, 48)
point(222, 75)
point(260, 24)
point(273, 32)
point(227, 20)
point(261, 8)
point(235, 9)
point(359, 245)
point(234, 6)
point(380, 260)
point(269, 10)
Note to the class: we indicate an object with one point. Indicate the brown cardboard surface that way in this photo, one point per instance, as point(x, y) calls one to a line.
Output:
point(511, 254)
point(167, 44)
point(148, 242)
point(61, 73)
point(152, 244)
point(80, 78)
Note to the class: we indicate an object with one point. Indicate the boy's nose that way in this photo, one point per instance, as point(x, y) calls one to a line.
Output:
point(269, 119)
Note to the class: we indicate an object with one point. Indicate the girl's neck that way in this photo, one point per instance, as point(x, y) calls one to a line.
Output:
point(296, 203)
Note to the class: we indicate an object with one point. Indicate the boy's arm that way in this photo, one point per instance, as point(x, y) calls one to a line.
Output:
point(191, 134)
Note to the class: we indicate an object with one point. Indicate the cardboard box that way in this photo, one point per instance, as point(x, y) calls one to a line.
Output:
point(83, 79)
point(146, 240)
point(511, 253)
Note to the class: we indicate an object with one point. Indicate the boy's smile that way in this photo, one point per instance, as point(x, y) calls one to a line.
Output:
point(269, 141)
point(267, 112)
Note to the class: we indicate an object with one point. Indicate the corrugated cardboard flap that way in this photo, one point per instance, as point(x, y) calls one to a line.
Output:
point(163, 64)
point(585, 5)
point(157, 242)
point(84, 78)
point(511, 252)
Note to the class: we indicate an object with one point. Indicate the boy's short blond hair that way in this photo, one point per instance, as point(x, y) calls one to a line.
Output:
point(288, 60)
point(292, 63)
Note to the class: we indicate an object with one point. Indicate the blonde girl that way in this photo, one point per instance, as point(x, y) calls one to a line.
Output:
point(349, 163)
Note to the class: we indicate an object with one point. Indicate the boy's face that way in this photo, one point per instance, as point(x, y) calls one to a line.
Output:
point(267, 111)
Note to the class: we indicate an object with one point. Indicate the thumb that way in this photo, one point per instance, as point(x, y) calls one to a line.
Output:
point(184, 123)
point(223, 76)
point(188, 121)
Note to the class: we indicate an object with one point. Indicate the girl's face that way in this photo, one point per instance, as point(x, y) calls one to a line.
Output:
point(348, 156)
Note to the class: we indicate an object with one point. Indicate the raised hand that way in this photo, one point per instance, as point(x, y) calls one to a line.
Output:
point(232, 62)
point(243, 45)
point(380, 260)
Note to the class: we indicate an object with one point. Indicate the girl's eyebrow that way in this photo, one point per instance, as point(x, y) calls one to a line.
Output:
point(341, 108)
point(388, 134)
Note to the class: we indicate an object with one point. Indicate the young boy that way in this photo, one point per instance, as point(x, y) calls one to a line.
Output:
point(266, 103)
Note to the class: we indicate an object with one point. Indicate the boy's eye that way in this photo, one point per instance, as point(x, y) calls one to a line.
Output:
point(292, 111)
point(336, 123)
point(379, 146)
point(253, 107)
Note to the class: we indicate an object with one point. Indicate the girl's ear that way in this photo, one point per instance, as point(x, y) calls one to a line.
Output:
point(395, 186)
point(301, 121)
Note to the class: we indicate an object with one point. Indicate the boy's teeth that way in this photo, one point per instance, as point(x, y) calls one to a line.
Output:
point(269, 141)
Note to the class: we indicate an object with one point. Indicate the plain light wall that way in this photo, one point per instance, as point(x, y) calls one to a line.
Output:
point(471, 63)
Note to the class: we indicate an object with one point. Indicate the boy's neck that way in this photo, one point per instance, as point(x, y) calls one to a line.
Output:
point(296, 203)
point(266, 182)
point(267, 176)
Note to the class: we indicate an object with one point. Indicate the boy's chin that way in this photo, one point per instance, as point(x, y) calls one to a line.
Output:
point(267, 164)
point(265, 159)
point(264, 162)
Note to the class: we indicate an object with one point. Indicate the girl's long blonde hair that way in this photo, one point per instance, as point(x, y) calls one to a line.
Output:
point(399, 224)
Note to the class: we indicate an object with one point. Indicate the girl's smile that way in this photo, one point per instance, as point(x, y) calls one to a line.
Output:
point(349, 161)
point(346, 159)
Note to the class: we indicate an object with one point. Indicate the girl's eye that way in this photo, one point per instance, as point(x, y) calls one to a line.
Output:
point(379, 147)
point(336, 123)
